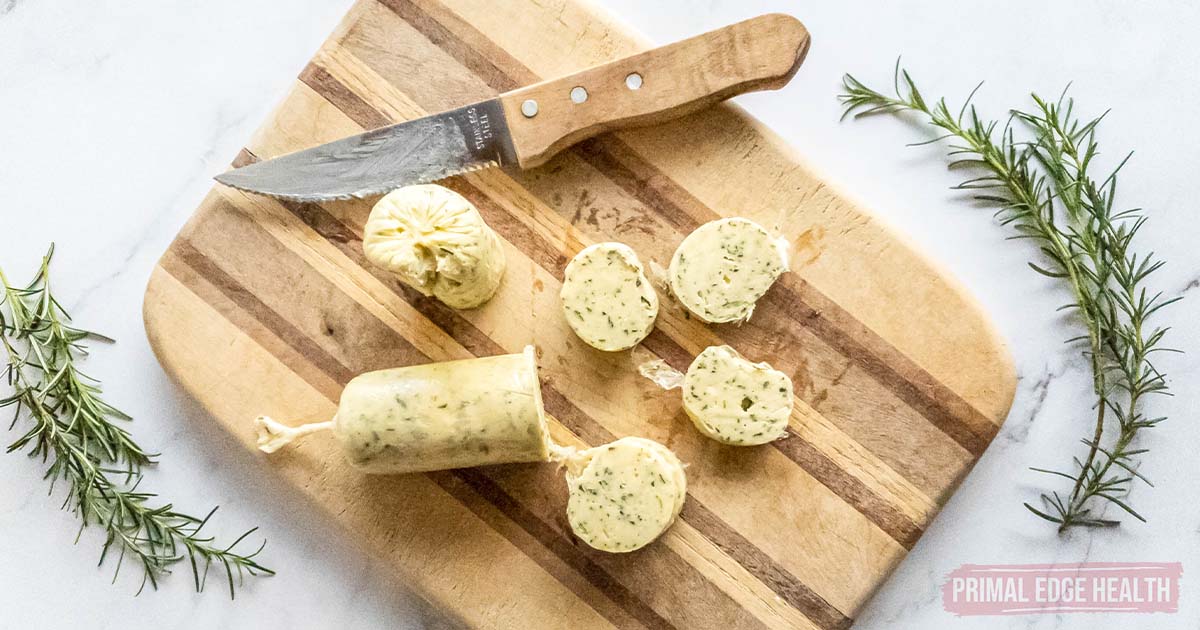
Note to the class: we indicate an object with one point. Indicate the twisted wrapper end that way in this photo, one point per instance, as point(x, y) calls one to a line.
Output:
point(273, 435)
point(570, 457)
point(662, 374)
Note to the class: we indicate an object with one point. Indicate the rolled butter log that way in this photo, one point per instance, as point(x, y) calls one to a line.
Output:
point(437, 416)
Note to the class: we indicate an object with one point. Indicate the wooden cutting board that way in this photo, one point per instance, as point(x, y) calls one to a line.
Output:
point(268, 307)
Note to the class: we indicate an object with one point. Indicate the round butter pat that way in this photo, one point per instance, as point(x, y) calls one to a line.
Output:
point(721, 270)
point(606, 297)
point(624, 494)
point(735, 401)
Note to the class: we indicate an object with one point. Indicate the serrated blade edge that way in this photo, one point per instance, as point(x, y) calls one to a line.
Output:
point(375, 162)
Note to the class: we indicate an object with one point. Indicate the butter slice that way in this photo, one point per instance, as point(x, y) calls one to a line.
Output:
point(721, 270)
point(735, 401)
point(624, 494)
point(606, 297)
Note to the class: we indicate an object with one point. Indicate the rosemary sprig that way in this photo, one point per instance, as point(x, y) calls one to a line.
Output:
point(1045, 191)
point(75, 430)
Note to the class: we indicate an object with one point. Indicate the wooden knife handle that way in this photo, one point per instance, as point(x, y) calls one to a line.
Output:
point(761, 53)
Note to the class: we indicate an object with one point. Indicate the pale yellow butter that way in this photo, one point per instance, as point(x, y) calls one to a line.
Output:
point(437, 416)
point(606, 297)
point(735, 401)
point(720, 271)
point(624, 494)
point(435, 241)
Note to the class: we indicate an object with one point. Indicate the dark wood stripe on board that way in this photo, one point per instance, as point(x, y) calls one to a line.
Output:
point(264, 315)
point(475, 489)
point(741, 550)
point(946, 409)
point(498, 79)
point(745, 553)
point(356, 109)
point(764, 568)
point(254, 309)
point(828, 320)
point(885, 515)
point(901, 528)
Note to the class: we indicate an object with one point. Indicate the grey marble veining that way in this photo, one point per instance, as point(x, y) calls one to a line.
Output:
point(114, 114)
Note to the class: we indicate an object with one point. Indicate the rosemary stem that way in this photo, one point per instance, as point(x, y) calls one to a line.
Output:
point(1093, 449)
point(1044, 190)
point(75, 433)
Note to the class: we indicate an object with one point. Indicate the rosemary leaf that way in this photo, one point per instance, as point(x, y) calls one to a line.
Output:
point(1045, 191)
point(75, 433)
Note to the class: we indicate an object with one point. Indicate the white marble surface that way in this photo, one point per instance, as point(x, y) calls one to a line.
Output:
point(113, 114)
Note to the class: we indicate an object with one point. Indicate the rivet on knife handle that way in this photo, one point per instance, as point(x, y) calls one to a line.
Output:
point(761, 53)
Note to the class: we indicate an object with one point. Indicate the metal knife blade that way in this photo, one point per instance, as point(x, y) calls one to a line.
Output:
point(378, 161)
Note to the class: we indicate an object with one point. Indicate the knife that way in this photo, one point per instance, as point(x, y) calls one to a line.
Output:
point(527, 126)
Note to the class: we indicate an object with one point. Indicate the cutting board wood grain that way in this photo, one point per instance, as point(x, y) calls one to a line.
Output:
point(261, 306)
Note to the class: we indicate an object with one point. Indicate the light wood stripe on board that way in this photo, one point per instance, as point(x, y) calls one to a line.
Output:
point(912, 505)
point(359, 280)
point(350, 235)
point(918, 432)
